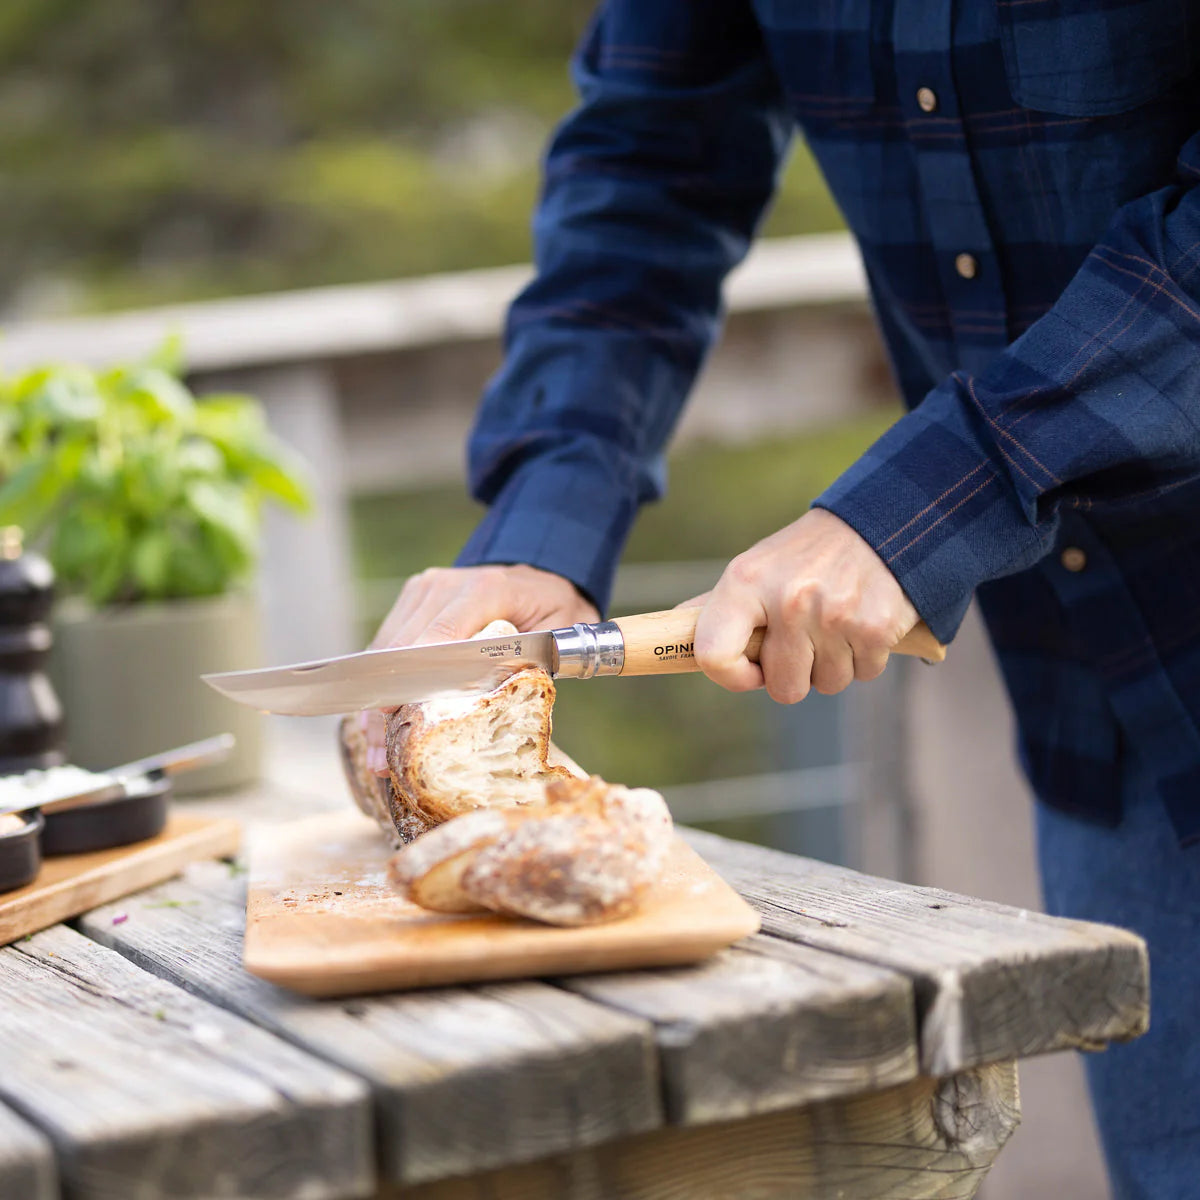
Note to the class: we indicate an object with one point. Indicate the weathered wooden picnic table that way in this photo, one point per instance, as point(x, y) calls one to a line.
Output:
point(864, 1045)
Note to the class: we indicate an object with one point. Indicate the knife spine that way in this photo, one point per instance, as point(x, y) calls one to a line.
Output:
point(582, 650)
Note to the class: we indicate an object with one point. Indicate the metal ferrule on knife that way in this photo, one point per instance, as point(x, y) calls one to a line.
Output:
point(582, 651)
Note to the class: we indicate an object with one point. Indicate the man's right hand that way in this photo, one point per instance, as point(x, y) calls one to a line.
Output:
point(448, 604)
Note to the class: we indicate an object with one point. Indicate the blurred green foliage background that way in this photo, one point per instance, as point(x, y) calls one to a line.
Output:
point(159, 150)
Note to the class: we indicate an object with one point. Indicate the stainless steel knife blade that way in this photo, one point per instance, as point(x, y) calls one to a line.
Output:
point(387, 678)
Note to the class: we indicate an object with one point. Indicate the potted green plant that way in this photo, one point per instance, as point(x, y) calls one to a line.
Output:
point(147, 501)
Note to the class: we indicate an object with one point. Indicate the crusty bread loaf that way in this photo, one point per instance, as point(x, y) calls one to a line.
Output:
point(429, 871)
point(447, 757)
point(367, 789)
point(489, 814)
point(588, 854)
point(375, 794)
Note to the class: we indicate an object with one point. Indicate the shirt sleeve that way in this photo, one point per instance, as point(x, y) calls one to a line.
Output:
point(1095, 406)
point(652, 191)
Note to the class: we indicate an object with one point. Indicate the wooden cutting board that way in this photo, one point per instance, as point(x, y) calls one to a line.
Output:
point(70, 884)
point(322, 919)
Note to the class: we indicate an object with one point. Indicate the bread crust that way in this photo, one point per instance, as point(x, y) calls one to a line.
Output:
point(408, 825)
point(374, 794)
point(429, 872)
point(563, 869)
point(366, 788)
point(589, 854)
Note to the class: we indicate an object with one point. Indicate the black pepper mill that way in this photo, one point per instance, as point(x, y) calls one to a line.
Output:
point(31, 718)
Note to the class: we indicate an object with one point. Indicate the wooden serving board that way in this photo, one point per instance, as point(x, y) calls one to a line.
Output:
point(322, 919)
point(70, 884)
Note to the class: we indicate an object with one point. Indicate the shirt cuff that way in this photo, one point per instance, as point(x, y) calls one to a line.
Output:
point(938, 508)
point(565, 512)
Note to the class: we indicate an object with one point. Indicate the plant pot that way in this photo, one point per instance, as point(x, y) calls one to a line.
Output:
point(129, 682)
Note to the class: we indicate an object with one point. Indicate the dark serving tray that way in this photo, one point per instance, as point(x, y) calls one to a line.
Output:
point(139, 814)
point(20, 852)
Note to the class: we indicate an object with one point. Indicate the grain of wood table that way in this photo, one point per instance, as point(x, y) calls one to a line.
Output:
point(863, 1046)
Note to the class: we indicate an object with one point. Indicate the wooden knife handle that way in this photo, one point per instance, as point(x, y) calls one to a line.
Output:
point(660, 643)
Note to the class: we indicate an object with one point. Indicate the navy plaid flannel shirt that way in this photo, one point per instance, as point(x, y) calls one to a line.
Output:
point(1023, 178)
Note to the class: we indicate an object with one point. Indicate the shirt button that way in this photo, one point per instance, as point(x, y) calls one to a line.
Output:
point(927, 100)
point(1073, 559)
point(966, 265)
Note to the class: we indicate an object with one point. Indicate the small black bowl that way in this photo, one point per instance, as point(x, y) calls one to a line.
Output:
point(20, 852)
point(119, 822)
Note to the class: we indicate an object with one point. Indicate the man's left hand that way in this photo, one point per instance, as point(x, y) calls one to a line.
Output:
point(831, 608)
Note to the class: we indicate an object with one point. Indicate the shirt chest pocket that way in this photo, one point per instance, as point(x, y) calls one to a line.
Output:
point(1082, 58)
point(821, 51)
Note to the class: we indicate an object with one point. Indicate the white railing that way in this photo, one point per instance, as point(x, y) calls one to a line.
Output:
point(338, 322)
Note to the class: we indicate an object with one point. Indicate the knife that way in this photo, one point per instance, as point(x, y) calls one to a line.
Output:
point(657, 643)
point(182, 758)
point(58, 788)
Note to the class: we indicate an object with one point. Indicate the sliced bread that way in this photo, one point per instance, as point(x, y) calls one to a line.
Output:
point(589, 854)
point(449, 757)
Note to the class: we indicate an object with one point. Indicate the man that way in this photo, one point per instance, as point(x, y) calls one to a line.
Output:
point(1023, 177)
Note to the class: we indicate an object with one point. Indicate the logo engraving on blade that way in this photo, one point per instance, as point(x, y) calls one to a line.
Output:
point(502, 650)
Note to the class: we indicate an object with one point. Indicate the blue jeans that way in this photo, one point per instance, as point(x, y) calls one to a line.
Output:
point(1146, 1093)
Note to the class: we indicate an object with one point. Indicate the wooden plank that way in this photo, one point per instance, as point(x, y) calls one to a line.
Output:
point(322, 919)
point(464, 1080)
point(925, 1140)
point(147, 1091)
point(27, 1170)
point(72, 883)
point(767, 1026)
point(992, 982)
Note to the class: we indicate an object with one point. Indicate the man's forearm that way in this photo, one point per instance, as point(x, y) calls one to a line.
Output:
point(1097, 402)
